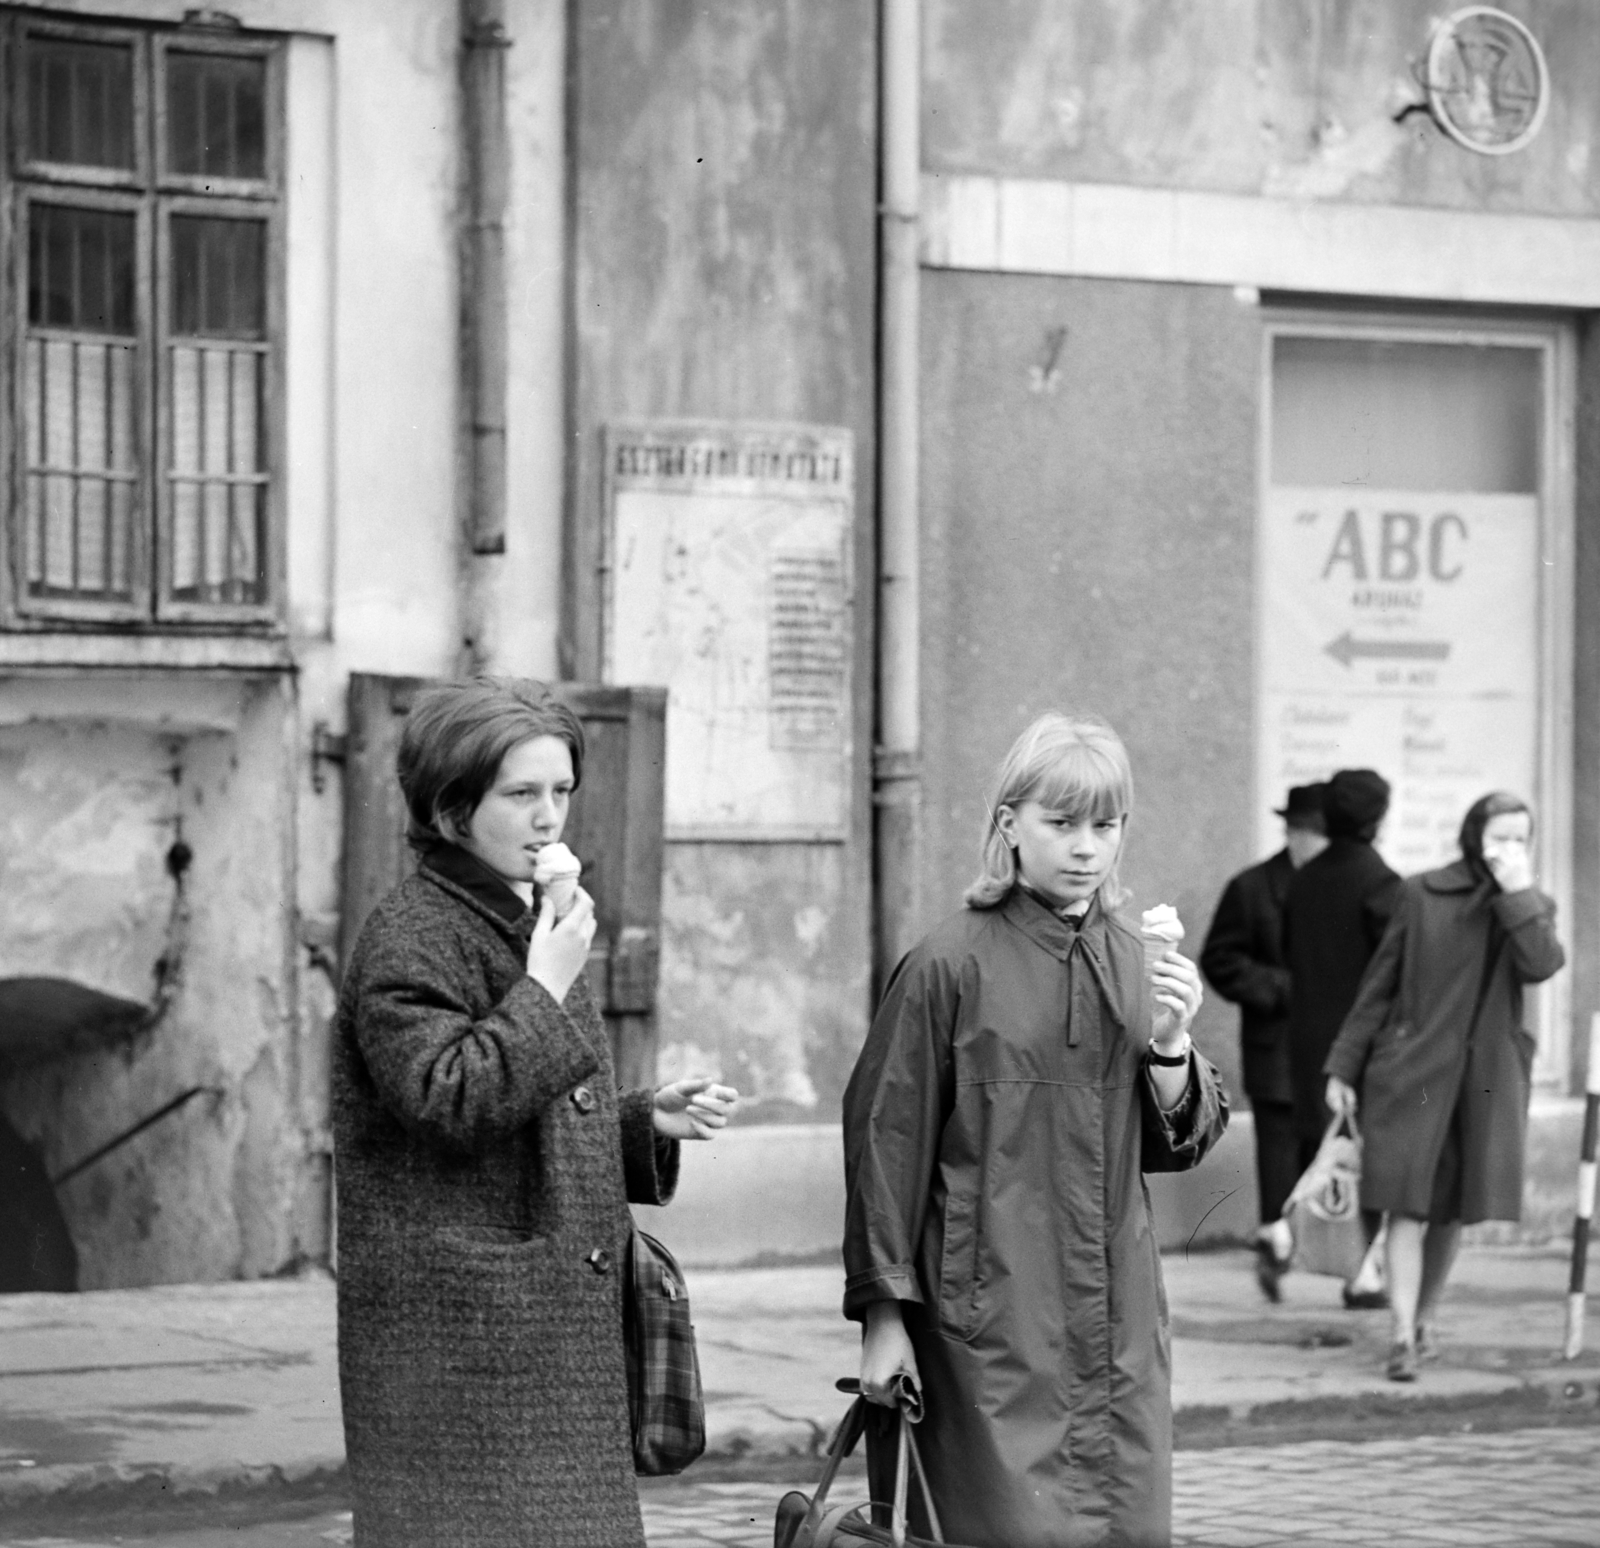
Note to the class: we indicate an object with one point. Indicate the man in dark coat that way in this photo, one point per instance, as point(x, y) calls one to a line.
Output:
point(1243, 959)
point(1337, 909)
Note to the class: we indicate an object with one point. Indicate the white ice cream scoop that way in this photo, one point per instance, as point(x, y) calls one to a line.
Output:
point(1161, 930)
point(555, 874)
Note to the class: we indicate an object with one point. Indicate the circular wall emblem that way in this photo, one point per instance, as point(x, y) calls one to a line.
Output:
point(1488, 85)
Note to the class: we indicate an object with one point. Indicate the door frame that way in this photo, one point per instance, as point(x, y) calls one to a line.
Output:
point(1555, 337)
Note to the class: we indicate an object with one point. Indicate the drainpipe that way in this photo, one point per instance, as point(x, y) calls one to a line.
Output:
point(897, 763)
point(483, 322)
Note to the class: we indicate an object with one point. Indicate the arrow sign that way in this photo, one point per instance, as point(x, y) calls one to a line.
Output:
point(1346, 649)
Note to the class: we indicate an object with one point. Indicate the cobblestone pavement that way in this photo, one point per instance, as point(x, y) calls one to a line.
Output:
point(1519, 1489)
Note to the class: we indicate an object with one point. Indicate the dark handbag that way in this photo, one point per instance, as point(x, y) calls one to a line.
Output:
point(666, 1407)
point(813, 1523)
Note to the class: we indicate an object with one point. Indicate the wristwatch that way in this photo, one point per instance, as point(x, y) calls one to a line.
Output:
point(1172, 1061)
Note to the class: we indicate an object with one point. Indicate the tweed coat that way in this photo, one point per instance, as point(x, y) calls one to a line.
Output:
point(1335, 914)
point(1243, 959)
point(484, 1162)
point(996, 1127)
point(1419, 1057)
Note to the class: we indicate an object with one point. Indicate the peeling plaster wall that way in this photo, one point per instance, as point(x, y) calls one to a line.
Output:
point(1293, 98)
point(92, 812)
point(724, 187)
point(373, 190)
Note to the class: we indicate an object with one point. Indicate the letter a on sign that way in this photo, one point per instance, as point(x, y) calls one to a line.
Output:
point(1347, 548)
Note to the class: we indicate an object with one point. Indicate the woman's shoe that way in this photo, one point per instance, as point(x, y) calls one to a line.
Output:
point(1402, 1364)
point(1270, 1268)
point(1427, 1346)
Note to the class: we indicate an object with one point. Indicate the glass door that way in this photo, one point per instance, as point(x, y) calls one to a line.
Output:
point(1414, 610)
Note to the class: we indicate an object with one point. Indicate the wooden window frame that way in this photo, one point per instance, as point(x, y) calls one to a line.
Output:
point(156, 195)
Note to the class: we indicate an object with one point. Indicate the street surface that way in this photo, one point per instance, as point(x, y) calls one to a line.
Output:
point(1537, 1488)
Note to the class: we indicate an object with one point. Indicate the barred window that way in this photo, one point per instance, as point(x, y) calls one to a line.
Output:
point(142, 405)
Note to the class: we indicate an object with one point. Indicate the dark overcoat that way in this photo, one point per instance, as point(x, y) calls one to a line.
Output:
point(1243, 959)
point(1420, 1057)
point(484, 1161)
point(1337, 909)
point(995, 1128)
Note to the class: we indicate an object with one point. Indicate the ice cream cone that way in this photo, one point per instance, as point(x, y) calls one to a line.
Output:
point(1160, 929)
point(555, 874)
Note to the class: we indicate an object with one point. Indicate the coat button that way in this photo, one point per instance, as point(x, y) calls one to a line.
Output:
point(583, 1099)
point(599, 1260)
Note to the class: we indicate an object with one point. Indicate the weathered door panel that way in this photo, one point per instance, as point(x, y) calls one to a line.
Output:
point(615, 828)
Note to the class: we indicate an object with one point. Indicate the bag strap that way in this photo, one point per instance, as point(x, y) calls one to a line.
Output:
point(843, 1443)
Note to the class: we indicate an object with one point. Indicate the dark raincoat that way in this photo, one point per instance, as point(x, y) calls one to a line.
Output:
point(1425, 1065)
point(484, 1160)
point(1337, 908)
point(995, 1130)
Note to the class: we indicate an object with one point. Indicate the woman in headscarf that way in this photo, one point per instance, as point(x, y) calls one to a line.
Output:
point(1435, 1052)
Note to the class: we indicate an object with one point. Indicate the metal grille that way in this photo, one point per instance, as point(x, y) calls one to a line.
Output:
point(217, 381)
point(216, 115)
point(81, 466)
point(80, 102)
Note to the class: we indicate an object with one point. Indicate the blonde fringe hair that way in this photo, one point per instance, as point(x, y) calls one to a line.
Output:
point(1073, 764)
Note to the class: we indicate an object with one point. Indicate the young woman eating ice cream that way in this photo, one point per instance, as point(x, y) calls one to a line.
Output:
point(486, 1159)
point(1024, 1068)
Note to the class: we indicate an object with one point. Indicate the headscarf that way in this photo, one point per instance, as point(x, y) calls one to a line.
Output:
point(1498, 803)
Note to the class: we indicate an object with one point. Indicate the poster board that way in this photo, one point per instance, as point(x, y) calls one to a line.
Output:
point(728, 582)
point(1400, 631)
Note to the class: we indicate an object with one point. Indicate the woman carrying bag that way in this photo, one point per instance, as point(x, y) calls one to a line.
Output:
point(485, 1160)
point(1024, 1067)
point(1435, 1053)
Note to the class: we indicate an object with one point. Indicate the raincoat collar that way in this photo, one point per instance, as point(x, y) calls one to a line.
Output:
point(463, 874)
point(1049, 931)
point(1046, 928)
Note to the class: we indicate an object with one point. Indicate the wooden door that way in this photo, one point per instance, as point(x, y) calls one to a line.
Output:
point(615, 828)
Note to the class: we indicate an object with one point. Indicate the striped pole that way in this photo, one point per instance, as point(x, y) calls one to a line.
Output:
point(1586, 1176)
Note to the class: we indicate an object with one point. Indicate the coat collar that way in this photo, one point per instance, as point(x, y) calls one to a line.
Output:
point(1452, 878)
point(468, 878)
point(1049, 931)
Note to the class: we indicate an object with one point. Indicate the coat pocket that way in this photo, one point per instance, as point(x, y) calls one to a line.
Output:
point(958, 1263)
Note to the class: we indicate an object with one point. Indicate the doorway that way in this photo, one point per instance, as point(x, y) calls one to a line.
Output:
point(1414, 580)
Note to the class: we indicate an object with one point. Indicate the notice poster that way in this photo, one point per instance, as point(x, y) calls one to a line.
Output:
point(1400, 632)
point(729, 585)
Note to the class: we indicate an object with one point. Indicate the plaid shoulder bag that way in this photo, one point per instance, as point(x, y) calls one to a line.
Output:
point(666, 1408)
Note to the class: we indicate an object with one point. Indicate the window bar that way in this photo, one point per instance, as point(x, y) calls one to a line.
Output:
point(109, 460)
point(232, 489)
point(202, 370)
point(44, 461)
point(77, 462)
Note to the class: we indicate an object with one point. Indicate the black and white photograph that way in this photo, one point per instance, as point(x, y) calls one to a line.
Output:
point(799, 772)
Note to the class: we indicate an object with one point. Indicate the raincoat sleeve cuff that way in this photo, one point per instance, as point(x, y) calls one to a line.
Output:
point(649, 1160)
point(1345, 1061)
point(898, 1282)
point(1177, 1139)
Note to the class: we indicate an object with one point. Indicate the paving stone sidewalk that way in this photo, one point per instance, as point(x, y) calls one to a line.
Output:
point(196, 1389)
point(1521, 1489)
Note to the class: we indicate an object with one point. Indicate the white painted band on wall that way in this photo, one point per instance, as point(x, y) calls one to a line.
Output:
point(1586, 1171)
point(1107, 231)
point(1592, 1083)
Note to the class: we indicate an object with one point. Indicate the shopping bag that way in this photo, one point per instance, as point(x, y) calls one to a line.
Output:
point(814, 1523)
point(666, 1407)
point(1324, 1211)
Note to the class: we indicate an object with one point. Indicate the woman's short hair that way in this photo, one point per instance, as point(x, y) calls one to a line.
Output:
point(1072, 764)
point(1498, 803)
point(456, 737)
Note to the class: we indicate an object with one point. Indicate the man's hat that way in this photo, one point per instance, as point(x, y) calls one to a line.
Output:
point(1355, 803)
point(1303, 809)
